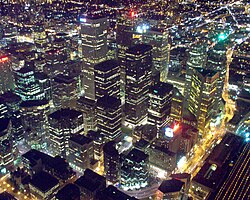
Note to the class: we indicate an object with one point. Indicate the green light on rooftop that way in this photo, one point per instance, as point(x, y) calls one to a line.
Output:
point(222, 36)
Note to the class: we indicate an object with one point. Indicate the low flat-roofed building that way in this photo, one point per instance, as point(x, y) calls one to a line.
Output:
point(217, 166)
point(90, 183)
point(171, 189)
point(44, 185)
point(69, 192)
point(112, 193)
point(6, 196)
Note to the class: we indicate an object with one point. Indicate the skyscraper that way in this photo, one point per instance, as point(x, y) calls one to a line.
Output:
point(6, 74)
point(94, 48)
point(109, 116)
point(202, 101)
point(107, 79)
point(111, 162)
point(62, 124)
point(138, 81)
point(160, 99)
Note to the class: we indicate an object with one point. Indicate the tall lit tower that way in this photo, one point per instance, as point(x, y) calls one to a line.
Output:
point(6, 75)
point(94, 48)
point(196, 59)
point(138, 82)
point(202, 101)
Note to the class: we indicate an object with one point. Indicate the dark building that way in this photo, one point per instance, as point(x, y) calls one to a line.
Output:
point(90, 183)
point(62, 124)
point(109, 116)
point(44, 185)
point(69, 192)
point(160, 99)
point(80, 152)
point(6, 196)
point(111, 162)
point(107, 79)
point(138, 81)
point(171, 189)
point(134, 170)
point(112, 193)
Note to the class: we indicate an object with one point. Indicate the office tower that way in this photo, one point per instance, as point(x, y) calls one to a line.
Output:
point(7, 148)
point(197, 56)
point(45, 84)
point(6, 74)
point(107, 79)
point(158, 38)
point(134, 170)
point(99, 141)
point(109, 116)
point(64, 91)
point(202, 99)
point(217, 60)
point(27, 86)
point(35, 122)
point(138, 81)
point(88, 108)
point(63, 123)
point(111, 162)
point(94, 48)
point(177, 105)
point(9, 104)
point(160, 99)
point(90, 183)
point(80, 152)
point(40, 37)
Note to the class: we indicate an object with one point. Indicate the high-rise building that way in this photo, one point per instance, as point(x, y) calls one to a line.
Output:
point(27, 86)
point(88, 108)
point(94, 48)
point(62, 124)
point(138, 81)
point(197, 56)
point(64, 91)
point(111, 162)
point(109, 116)
point(80, 152)
point(177, 105)
point(160, 99)
point(40, 37)
point(202, 99)
point(35, 122)
point(107, 79)
point(7, 148)
point(45, 84)
point(134, 170)
point(217, 60)
point(6, 74)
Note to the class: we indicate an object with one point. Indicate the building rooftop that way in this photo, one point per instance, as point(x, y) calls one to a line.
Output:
point(112, 193)
point(44, 182)
point(65, 113)
point(6, 196)
point(60, 78)
point(161, 88)
point(206, 72)
point(139, 49)
point(4, 123)
point(106, 65)
point(33, 103)
point(109, 148)
point(69, 192)
point(9, 97)
point(137, 156)
point(108, 102)
point(91, 181)
point(169, 186)
point(80, 139)
point(181, 176)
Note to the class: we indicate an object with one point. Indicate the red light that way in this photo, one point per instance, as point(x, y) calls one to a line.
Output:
point(3, 59)
point(176, 127)
point(132, 14)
